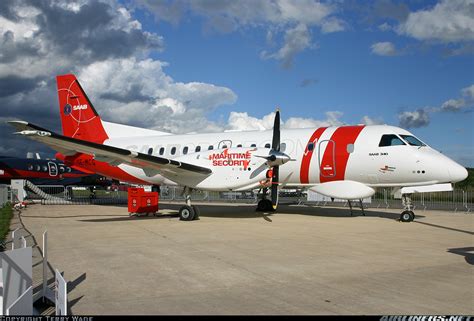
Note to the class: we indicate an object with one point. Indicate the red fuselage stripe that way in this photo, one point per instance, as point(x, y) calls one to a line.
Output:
point(334, 162)
point(306, 161)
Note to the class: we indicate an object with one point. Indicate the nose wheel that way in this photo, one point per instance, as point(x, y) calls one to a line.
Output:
point(407, 215)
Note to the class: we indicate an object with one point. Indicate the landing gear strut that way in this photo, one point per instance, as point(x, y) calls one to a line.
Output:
point(407, 215)
point(188, 212)
point(265, 205)
point(360, 204)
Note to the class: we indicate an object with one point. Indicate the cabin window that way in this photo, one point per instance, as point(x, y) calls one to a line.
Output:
point(61, 169)
point(173, 150)
point(267, 145)
point(210, 147)
point(45, 168)
point(69, 169)
point(253, 145)
point(390, 140)
point(185, 150)
point(412, 140)
point(150, 151)
point(162, 150)
point(239, 145)
point(38, 168)
point(310, 146)
point(198, 149)
point(30, 167)
point(350, 148)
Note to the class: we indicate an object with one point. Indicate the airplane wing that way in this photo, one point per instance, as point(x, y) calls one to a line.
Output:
point(151, 165)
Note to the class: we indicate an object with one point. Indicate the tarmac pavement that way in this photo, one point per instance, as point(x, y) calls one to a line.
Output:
point(301, 260)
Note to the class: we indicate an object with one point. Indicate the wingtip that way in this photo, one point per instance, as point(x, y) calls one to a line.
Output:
point(11, 122)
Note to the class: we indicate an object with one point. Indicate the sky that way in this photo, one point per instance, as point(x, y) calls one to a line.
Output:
point(212, 65)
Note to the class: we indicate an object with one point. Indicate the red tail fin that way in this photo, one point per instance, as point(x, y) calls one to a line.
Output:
point(78, 117)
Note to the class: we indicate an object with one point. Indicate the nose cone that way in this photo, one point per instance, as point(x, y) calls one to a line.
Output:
point(457, 172)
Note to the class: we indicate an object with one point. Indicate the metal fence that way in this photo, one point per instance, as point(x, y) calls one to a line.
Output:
point(62, 195)
point(457, 200)
point(5, 194)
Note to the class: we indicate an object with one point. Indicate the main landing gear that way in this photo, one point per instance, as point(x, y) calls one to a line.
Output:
point(265, 205)
point(407, 215)
point(188, 212)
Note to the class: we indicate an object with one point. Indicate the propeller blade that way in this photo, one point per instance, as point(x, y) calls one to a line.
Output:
point(275, 181)
point(276, 132)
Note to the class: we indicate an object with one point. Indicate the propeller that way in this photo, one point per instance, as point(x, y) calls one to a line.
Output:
point(275, 158)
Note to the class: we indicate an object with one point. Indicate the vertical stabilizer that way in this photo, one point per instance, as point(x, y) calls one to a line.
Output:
point(79, 119)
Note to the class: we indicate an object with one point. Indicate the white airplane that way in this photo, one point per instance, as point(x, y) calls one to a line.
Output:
point(345, 162)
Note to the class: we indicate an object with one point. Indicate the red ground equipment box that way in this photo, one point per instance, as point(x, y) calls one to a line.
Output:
point(141, 202)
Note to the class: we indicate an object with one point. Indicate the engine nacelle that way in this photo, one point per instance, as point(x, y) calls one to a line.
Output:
point(234, 169)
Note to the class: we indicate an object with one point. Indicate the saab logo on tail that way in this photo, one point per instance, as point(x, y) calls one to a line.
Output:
point(79, 107)
point(68, 108)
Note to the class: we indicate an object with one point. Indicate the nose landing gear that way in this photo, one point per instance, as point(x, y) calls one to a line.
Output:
point(407, 215)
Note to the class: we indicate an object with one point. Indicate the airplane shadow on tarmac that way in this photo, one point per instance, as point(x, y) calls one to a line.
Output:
point(467, 252)
point(245, 211)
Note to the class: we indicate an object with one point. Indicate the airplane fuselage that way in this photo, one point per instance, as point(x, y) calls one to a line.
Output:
point(378, 156)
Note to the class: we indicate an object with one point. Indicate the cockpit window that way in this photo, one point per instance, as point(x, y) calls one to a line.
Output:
point(412, 140)
point(390, 140)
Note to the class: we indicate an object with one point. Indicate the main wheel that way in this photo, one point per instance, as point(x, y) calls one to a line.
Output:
point(196, 212)
point(407, 216)
point(269, 206)
point(265, 205)
point(186, 213)
point(262, 205)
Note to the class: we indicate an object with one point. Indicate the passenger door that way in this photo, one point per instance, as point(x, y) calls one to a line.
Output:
point(327, 158)
point(53, 169)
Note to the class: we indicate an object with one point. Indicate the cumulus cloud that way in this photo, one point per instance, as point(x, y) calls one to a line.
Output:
point(107, 48)
point(69, 35)
point(384, 49)
point(459, 104)
point(293, 19)
point(366, 120)
point(421, 117)
point(414, 119)
point(468, 92)
point(242, 121)
point(296, 40)
point(453, 105)
point(139, 92)
point(385, 27)
point(447, 21)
